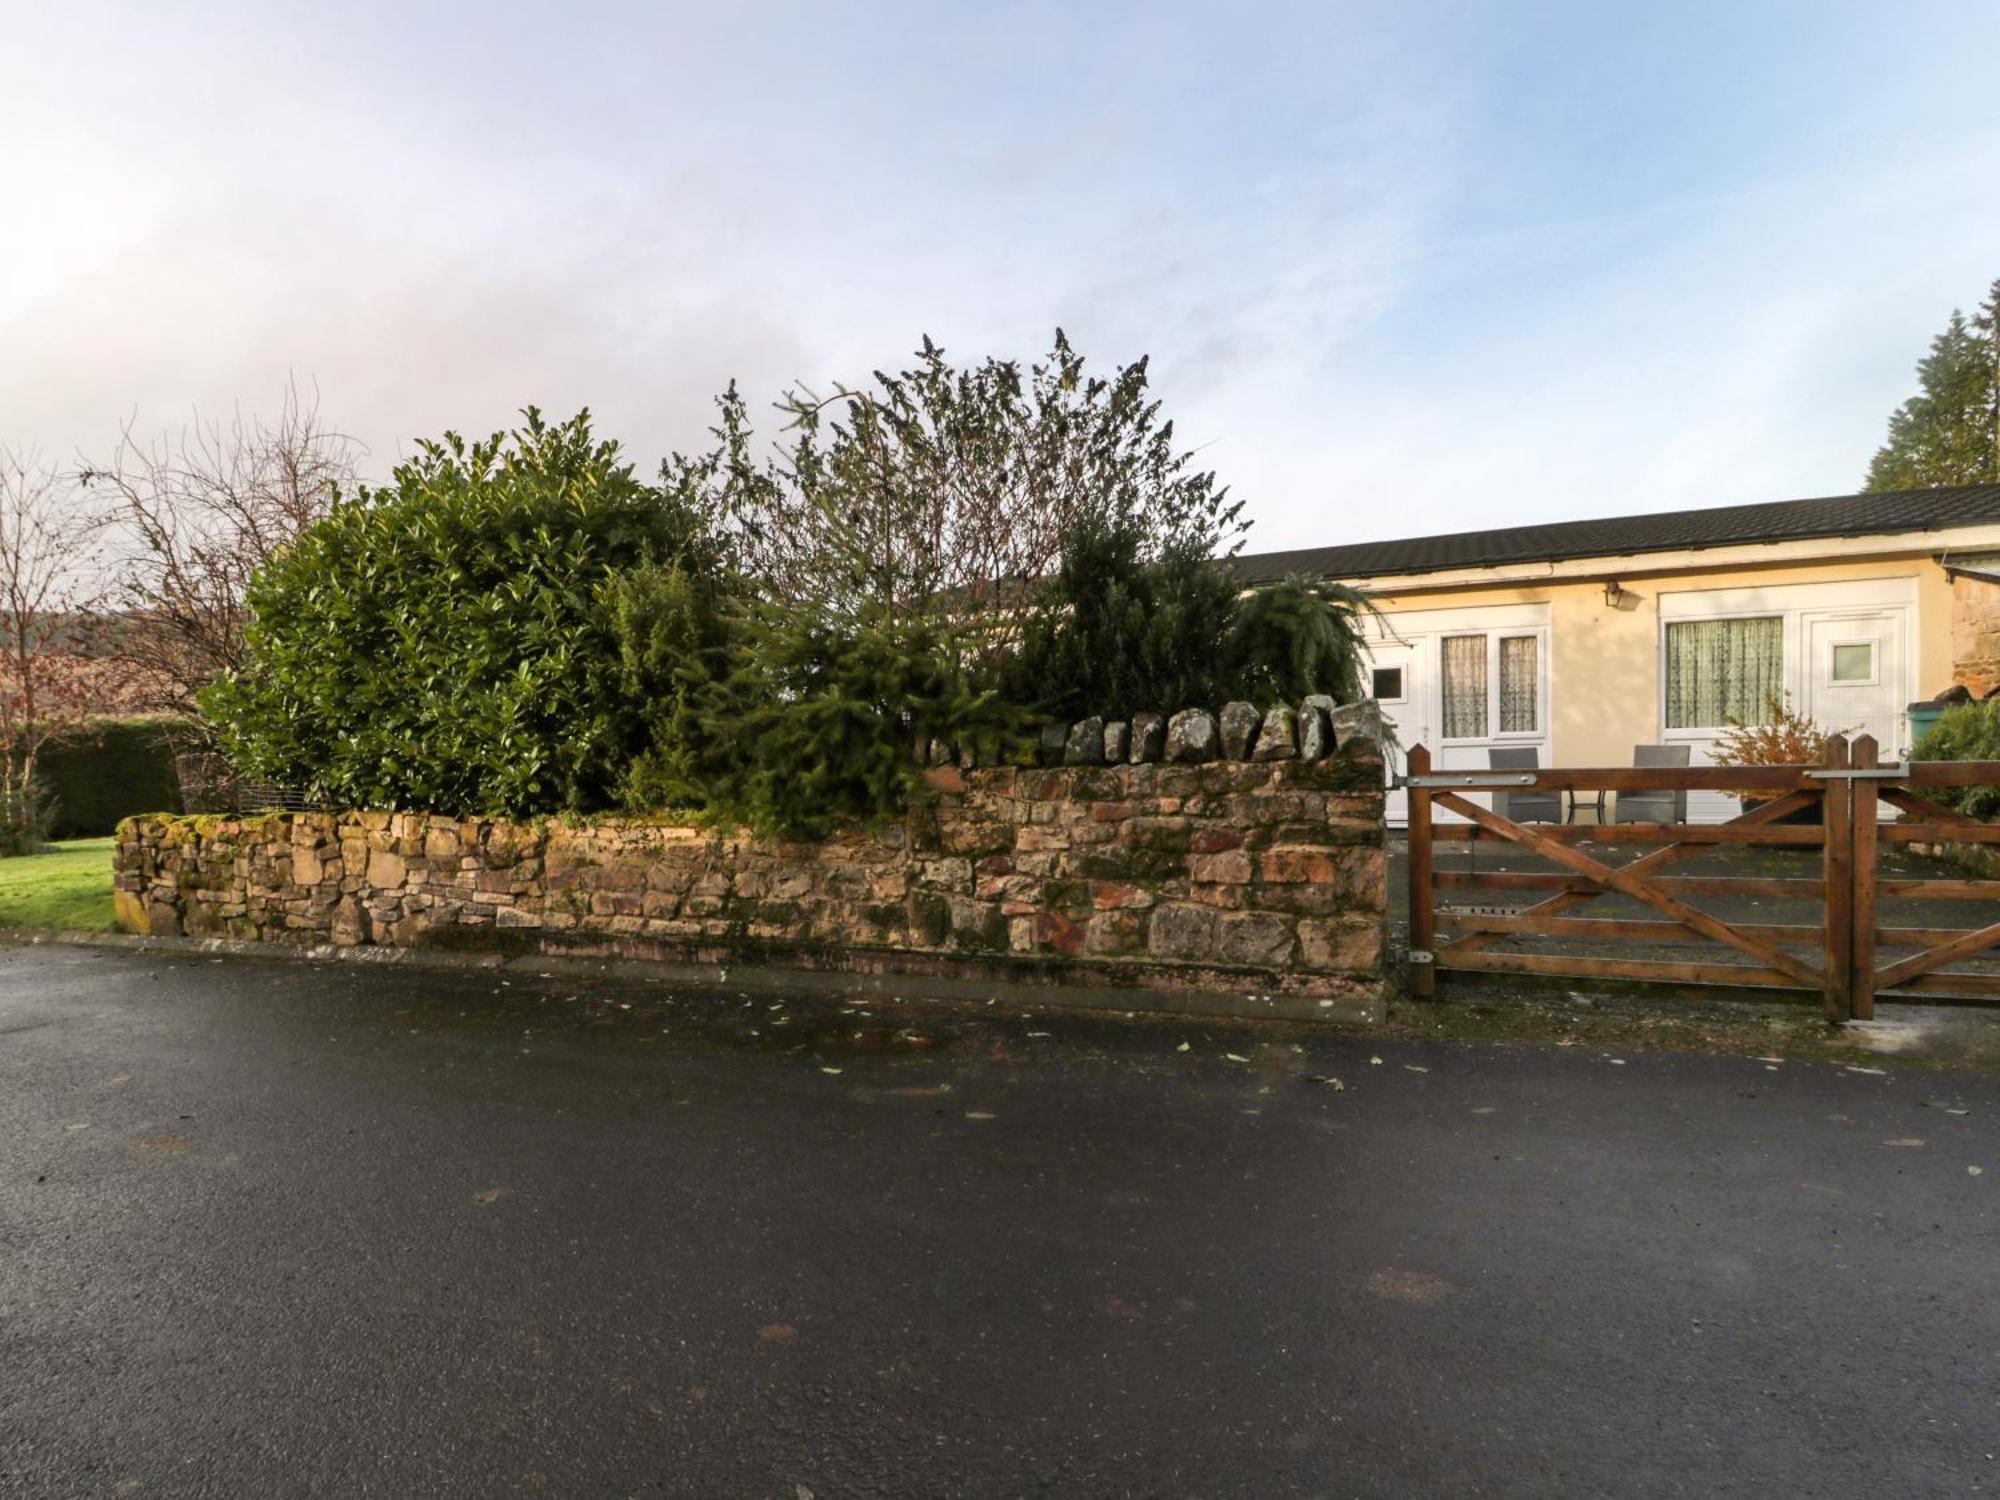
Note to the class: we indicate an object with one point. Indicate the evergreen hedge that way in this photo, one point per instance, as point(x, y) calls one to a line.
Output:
point(108, 770)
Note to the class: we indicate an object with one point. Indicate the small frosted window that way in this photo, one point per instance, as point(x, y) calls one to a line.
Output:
point(1854, 662)
point(1389, 684)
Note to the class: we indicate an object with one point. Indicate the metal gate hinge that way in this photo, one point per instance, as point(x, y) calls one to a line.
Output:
point(1422, 956)
point(1877, 773)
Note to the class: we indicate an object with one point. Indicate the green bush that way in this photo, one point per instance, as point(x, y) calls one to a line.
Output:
point(823, 717)
point(1115, 631)
point(1299, 637)
point(106, 770)
point(1969, 731)
point(489, 634)
point(26, 815)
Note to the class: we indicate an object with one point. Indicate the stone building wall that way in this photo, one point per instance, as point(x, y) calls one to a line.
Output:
point(1254, 878)
point(1975, 633)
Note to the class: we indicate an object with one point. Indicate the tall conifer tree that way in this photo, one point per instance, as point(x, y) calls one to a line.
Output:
point(1949, 433)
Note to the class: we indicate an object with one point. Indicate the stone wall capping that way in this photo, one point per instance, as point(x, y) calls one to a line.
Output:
point(1084, 744)
point(1277, 738)
point(1192, 737)
point(1149, 738)
point(1239, 722)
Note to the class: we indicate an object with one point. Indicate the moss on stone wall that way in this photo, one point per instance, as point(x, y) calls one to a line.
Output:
point(1268, 868)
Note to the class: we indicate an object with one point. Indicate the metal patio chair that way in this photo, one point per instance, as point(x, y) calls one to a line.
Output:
point(1523, 807)
point(1657, 806)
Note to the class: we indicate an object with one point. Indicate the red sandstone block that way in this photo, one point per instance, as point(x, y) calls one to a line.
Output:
point(1113, 932)
point(1353, 946)
point(1228, 867)
point(1294, 866)
point(1059, 934)
point(1111, 895)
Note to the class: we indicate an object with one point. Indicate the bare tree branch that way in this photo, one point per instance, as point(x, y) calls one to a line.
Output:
point(52, 675)
point(193, 519)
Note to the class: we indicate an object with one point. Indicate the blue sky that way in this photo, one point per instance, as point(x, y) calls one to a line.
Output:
point(1401, 269)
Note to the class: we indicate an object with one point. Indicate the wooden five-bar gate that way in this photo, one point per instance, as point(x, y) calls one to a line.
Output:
point(1851, 949)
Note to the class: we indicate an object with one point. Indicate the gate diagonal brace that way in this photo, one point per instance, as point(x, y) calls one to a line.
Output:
point(1633, 887)
point(1645, 864)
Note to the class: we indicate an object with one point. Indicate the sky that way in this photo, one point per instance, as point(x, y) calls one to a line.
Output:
point(1400, 269)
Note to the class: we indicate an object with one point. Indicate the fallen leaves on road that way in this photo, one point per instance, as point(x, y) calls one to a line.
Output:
point(1327, 1079)
point(1904, 1140)
point(491, 1195)
point(776, 1333)
point(1420, 1287)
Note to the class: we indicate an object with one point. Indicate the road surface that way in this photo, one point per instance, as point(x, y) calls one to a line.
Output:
point(272, 1229)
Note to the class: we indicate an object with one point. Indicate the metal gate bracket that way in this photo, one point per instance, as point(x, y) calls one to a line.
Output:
point(1474, 780)
point(1874, 773)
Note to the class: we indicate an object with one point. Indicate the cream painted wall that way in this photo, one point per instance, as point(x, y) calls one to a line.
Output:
point(1604, 680)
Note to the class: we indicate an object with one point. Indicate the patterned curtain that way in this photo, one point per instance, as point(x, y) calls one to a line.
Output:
point(1723, 670)
point(1518, 684)
point(1464, 687)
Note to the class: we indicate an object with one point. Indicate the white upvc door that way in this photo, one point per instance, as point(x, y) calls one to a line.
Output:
point(1468, 680)
point(1400, 683)
point(1853, 677)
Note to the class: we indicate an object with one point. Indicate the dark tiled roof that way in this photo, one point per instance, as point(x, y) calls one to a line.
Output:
point(1623, 536)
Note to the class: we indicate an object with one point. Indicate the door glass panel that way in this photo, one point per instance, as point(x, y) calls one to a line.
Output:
point(1724, 671)
point(1464, 664)
point(1854, 661)
point(1519, 685)
point(1389, 684)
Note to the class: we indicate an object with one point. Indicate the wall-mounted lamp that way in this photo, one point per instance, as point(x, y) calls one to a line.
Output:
point(1614, 594)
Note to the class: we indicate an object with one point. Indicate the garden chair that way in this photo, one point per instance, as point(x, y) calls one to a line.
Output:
point(1523, 807)
point(1657, 806)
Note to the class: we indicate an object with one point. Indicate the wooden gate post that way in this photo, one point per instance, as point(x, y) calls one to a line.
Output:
point(1862, 825)
point(1423, 915)
point(1837, 876)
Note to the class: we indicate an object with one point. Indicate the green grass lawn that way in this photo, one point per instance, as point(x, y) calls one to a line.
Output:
point(66, 886)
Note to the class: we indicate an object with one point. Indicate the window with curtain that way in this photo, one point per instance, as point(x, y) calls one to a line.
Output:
point(1723, 670)
point(1464, 668)
point(1519, 684)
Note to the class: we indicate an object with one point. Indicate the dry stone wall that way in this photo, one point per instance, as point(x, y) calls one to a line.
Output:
point(1975, 634)
point(1258, 879)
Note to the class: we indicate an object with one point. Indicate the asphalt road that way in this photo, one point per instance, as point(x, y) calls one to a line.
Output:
point(272, 1230)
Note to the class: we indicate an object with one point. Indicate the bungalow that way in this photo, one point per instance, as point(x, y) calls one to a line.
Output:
point(1585, 638)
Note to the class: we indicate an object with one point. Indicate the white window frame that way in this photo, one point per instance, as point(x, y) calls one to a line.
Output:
point(1797, 603)
point(1494, 634)
point(1788, 651)
point(1403, 675)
